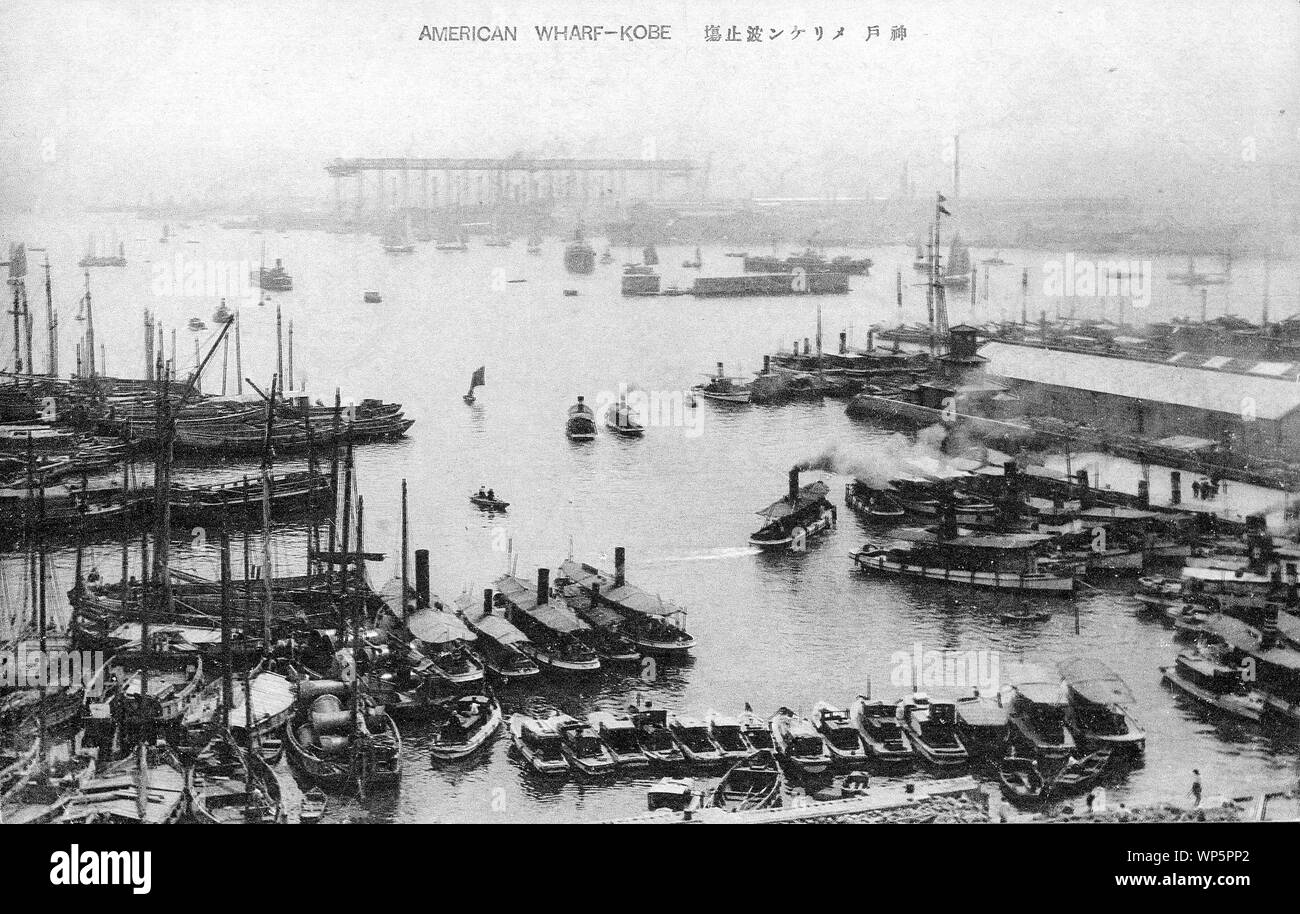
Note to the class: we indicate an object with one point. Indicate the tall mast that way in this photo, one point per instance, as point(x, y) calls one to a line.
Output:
point(27, 331)
point(347, 515)
point(239, 359)
point(290, 387)
point(279, 343)
point(227, 686)
point(334, 485)
point(405, 540)
point(52, 325)
point(90, 330)
point(18, 337)
point(266, 516)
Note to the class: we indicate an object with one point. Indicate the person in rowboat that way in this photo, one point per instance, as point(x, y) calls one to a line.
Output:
point(491, 495)
point(482, 493)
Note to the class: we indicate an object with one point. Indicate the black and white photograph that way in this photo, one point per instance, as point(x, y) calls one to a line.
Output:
point(698, 413)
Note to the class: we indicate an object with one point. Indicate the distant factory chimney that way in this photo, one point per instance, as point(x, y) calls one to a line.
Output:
point(794, 484)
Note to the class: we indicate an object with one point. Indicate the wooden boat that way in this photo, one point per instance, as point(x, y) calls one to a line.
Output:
point(754, 782)
point(675, 794)
point(1020, 778)
point(1079, 775)
point(1036, 715)
point(489, 504)
point(581, 424)
point(551, 631)
point(272, 706)
point(463, 725)
point(443, 639)
point(326, 745)
point(582, 746)
point(498, 644)
point(619, 734)
point(931, 727)
point(477, 379)
point(1002, 562)
point(798, 744)
point(855, 784)
point(148, 787)
point(982, 725)
point(877, 724)
point(538, 743)
point(654, 737)
point(175, 683)
point(1099, 712)
point(312, 808)
point(757, 732)
point(1216, 684)
point(692, 737)
point(791, 521)
point(229, 785)
point(1025, 615)
point(874, 505)
point(841, 736)
point(727, 733)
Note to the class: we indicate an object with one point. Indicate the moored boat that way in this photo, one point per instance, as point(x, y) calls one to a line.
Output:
point(228, 785)
point(803, 513)
point(841, 736)
point(754, 782)
point(692, 737)
point(982, 725)
point(729, 736)
point(1217, 685)
point(1099, 712)
point(463, 725)
point(757, 732)
point(336, 748)
point(931, 727)
point(798, 744)
point(654, 737)
point(1036, 715)
point(581, 424)
point(539, 744)
point(582, 746)
point(877, 723)
point(619, 734)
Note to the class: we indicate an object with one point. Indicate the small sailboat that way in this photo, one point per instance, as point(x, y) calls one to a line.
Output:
point(958, 272)
point(581, 424)
point(228, 784)
point(477, 379)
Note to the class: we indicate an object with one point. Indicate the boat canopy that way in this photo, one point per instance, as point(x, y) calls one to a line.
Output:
point(434, 626)
point(627, 596)
point(971, 541)
point(1095, 682)
point(1242, 637)
point(554, 615)
point(1037, 684)
point(809, 495)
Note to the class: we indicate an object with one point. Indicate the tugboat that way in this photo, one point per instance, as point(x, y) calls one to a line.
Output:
point(273, 280)
point(581, 425)
point(1216, 684)
point(722, 389)
point(621, 420)
point(579, 256)
point(803, 513)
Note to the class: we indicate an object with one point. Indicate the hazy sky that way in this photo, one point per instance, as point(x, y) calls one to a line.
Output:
point(119, 99)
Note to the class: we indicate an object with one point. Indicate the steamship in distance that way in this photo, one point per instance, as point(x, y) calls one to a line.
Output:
point(809, 261)
point(792, 520)
point(579, 256)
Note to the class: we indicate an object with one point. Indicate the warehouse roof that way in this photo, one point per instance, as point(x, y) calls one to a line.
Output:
point(1152, 381)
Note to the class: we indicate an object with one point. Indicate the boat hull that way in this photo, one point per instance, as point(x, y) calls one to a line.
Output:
point(1039, 582)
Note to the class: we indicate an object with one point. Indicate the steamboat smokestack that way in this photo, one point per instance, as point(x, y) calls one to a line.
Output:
point(719, 369)
point(794, 485)
point(487, 601)
point(844, 342)
point(1175, 488)
point(543, 586)
point(620, 560)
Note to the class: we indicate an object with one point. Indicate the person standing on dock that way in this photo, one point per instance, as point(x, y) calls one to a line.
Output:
point(1196, 786)
point(1196, 490)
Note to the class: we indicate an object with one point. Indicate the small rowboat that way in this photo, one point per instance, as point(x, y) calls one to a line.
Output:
point(1020, 778)
point(1025, 616)
point(313, 806)
point(754, 782)
point(1080, 774)
point(464, 725)
point(489, 504)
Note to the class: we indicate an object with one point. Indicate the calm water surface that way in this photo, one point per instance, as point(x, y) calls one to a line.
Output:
point(772, 630)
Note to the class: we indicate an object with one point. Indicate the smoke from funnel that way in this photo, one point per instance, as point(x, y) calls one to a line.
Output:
point(879, 461)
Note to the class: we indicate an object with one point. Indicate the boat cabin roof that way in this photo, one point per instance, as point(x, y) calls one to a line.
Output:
point(435, 626)
point(967, 540)
point(809, 496)
point(1095, 683)
point(629, 596)
point(1242, 637)
point(553, 614)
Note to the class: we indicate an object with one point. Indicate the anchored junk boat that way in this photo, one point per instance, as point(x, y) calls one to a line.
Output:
point(803, 513)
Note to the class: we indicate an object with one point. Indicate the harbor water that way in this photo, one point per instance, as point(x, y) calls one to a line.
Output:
point(772, 629)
